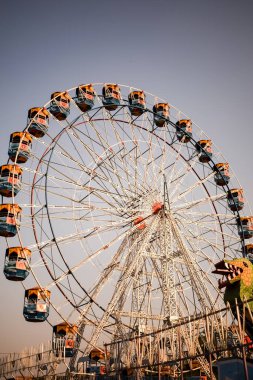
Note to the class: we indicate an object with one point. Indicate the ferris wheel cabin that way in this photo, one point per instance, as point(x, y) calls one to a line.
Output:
point(20, 147)
point(38, 121)
point(16, 264)
point(245, 227)
point(249, 251)
point(10, 180)
point(137, 102)
point(222, 175)
point(60, 105)
point(10, 216)
point(96, 364)
point(161, 114)
point(204, 149)
point(36, 304)
point(235, 199)
point(85, 96)
point(64, 335)
point(184, 130)
point(111, 96)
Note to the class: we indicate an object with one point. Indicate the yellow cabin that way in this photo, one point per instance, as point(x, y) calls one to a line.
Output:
point(85, 96)
point(36, 304)
point(65, 329)
point(184, 130)
point(16, 265)
point(204, 149)
point(64, 335)
point(161, 114)
point(38, 121)
point(10, 180)
point(245, 227)
point(20, 146)
point(10, 216)
point(249, 251)
point(235, 198)
point(111, 96)
point(137, 103)
point(60, 105)
point(222, 175)
point(97, 354)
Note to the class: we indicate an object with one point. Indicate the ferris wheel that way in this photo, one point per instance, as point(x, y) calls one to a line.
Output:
point(115, 207)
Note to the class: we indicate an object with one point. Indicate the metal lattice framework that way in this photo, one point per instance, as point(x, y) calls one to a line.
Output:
point(115, 262)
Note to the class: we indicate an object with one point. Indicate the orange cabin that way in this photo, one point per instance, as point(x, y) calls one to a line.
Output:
point(36, 304)
point(60, 105)
point(10, 208)
point(19, 252)
point(111, 96)
point(38, 121)
point(184, 130)
point(97, 354)
point(85, 96)
point(38, 293)
point(245, 227)
point(64, 339)
point(16, 266)
point(235, 199)
point(222, 175)
point(10, 215)
point(161, 114)
point(10, 180)
point(65, 329)
point(249, 249)
point(137, 103)
point(204, 148)
point(20, 146)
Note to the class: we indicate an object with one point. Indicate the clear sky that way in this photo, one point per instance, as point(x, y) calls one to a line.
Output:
point(197, 54)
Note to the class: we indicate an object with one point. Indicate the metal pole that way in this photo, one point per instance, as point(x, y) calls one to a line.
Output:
point(242, 334)
point(245, 364)
point(159, 368)
point(208, 336)
point(210, 366)
point(180, 354)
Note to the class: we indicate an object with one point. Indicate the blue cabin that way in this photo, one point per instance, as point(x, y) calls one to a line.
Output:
point(184, 130)
point(235, 199)
point(85, 96)
point(10, 216)
point(20, 147)
point(10, 180)
point(161, 114)
point(204, 149)
point(137, 103)
point(222, 176)
point(37, 121)
point(36, 304)
point(111, 96)
point(60, 105)
point(245, 227)
point(16, 263)
point(64, 335)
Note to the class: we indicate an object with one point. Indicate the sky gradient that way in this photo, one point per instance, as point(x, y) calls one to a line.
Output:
point(196, 54)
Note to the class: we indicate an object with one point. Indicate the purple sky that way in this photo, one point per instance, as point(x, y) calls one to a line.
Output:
point(196, 54)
